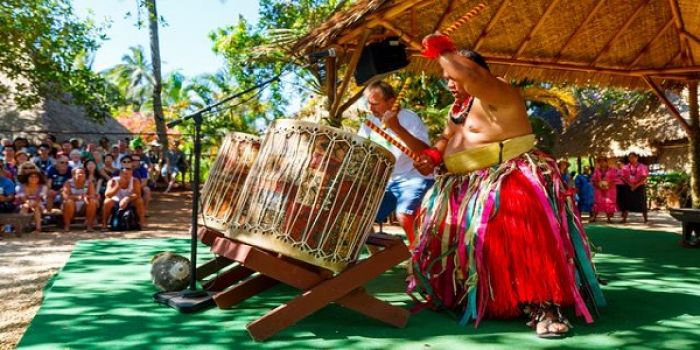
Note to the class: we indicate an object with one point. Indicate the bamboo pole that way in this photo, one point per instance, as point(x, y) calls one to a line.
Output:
point(671, 108)
point(675, 57)
point(331, 83)
point(680, 27)
point(646, 47)
point(619, 32)
point(690, 36)
point(537, 26)
point(694, 143)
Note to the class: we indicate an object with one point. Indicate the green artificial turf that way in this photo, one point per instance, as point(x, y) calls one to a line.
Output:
point(101, 299)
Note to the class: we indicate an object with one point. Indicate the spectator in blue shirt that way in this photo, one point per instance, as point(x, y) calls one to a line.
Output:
point(141, 174)
point(57, 175)
point(7, 195)
point(44, 160)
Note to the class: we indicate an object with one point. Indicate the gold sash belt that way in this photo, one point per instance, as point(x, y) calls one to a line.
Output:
point(488, 155)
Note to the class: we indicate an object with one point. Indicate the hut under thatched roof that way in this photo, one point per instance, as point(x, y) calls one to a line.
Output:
point(54, 117)
point(647, 130)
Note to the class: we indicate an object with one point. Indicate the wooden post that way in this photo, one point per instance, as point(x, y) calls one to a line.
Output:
point(694, 143)
point(331, 85)
point(334, 113)
point(579, 165)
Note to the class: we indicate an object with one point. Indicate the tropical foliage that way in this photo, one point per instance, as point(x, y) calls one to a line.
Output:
point(44, 50)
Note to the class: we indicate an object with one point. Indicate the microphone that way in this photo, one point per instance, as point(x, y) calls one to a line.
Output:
point(322, 54)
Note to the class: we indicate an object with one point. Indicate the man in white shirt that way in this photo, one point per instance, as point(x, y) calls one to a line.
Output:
point(406, 186)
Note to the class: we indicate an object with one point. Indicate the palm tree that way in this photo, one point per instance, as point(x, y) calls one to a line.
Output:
point(155, 59)
point(133, 78)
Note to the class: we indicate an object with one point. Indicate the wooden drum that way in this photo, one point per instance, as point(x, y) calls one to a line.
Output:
point(312, 193)
point(226, 179)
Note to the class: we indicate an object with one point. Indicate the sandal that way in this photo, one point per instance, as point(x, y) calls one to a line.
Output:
point(548, 321)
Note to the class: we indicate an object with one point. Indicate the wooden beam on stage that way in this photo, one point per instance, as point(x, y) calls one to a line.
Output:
point(675, 57)
point(646, 47)
point(537, 26)
point(331, 81)
point(622, 29)
point(680, 27)
point(671, 108)
point(350, 101)
point(443, 17)
point(388, 15)
point(694, 143)
point(350, 70)
point(591, 69)
point(489, 26)
point(690, 36)
point(407, 38)
point(578, 29)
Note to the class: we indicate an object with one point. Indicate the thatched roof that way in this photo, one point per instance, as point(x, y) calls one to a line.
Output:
point(596, 131)
point(63, 121)
point(608, 42)
point(52, 117)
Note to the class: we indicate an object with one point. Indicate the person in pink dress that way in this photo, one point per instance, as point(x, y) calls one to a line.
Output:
point(604, 178)
point(634, 176)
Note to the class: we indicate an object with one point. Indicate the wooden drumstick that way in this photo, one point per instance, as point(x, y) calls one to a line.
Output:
point(397, 104)
point(392, 141)
point(464, 19)
point(402, 94)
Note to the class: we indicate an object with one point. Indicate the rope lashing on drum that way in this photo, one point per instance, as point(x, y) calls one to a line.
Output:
point(392, 141)
point(463, 20)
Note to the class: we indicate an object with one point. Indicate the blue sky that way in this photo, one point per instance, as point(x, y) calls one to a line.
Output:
point(184, 41)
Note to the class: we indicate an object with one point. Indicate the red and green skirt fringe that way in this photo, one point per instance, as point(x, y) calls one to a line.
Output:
point(500, 238)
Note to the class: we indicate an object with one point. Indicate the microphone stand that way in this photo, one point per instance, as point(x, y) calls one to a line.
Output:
point(193, 299)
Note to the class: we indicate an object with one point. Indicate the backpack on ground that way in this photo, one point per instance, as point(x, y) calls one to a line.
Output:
point(124, 220)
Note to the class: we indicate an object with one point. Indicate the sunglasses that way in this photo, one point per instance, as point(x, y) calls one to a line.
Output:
point(126, 168)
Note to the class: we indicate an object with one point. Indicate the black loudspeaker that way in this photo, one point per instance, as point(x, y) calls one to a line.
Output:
point(379, 58)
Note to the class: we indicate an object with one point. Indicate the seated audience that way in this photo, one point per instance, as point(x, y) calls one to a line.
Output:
point(30, 196)
point(76, 160)
point(141, 173)
point(174, 160)
point(9, 157)
point(7, 195)
point(79, 197)
point(57, 175)
point(123, 191)
point(109, 170)
point(66, 147)
point(44, 160)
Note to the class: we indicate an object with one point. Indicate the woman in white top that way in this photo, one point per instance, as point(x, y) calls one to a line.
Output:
point(78, 193)
point(123, 191)
point(31, 196)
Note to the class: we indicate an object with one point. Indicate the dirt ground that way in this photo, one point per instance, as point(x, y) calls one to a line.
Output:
point(27, 262)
